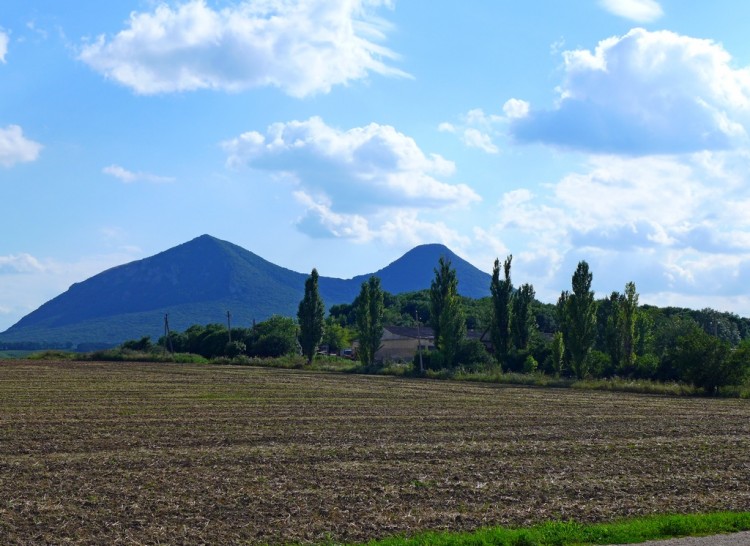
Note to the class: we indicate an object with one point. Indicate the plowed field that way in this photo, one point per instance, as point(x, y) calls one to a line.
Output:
point(185, 454)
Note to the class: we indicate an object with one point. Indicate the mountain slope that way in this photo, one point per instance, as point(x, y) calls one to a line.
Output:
point(198, 282)
point(415, 270)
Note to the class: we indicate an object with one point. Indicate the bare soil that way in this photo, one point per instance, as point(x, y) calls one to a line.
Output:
point(127, 453)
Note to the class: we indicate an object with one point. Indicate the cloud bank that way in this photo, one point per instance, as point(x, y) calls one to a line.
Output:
point(301, 47)
point(15, 148)
point(645, 93)
point(674, 225)
point(346, 179)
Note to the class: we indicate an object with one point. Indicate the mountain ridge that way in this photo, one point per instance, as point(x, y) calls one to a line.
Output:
point(198, 281)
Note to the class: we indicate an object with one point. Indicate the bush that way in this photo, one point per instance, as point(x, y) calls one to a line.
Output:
point(143, 345)
point(472, 355)
point(709, 363)
point(530, 365)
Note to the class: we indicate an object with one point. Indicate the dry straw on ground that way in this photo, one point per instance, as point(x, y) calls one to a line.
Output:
point(188, 454)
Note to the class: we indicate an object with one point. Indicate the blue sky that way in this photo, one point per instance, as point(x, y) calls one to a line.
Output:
point(338, 134)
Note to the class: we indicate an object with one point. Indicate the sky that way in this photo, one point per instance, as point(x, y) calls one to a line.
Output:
point(339, 134)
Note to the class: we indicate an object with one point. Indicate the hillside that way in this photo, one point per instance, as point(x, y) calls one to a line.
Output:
point(198, 282)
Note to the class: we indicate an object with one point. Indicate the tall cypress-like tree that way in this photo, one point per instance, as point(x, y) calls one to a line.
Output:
point(580, 320)
point(613, 331)
point(523, 322)
point(629, 313)
point(502, 293)
point(446, 313)
point(622, 334)
point(370, 311)
point(311, 316)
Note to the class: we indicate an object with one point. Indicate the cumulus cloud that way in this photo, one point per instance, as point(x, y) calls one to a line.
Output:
point(15, 148)
point(129, 176)
point(516, 108)
point(353, 183)
point(640, 11)
point(674, 225)
point(400, 227)
point(361, 169)
point(4, 39)
point(645, 93)
point(474, 138)
point(302, 47)
point(476, 129)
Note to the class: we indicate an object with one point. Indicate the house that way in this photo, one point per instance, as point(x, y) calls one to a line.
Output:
point(401, 343)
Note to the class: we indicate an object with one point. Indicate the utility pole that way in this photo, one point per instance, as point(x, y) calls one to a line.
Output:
point(229, 325)
point(167, 335)
point(419, 343)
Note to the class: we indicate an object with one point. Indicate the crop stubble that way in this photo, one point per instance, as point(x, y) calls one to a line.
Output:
point(161, 453)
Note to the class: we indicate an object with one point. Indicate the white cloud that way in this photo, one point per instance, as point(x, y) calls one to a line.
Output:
point(640, 11)
point(302, 47)
point(321, 222)
point(674, 225)
point(4, 39)
point(395, 227)
point(516, 108)
point(129, 177)
point(476, 130)
point(474, 138)
point(15, 148)
point(646, 93)
point(26, 281)
point(361, 169)
point(20, 263)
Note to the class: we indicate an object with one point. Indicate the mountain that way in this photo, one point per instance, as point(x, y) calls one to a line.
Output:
point(415, 270)
point(198, 281)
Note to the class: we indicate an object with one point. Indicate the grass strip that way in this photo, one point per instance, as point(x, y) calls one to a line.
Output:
point(631, 531)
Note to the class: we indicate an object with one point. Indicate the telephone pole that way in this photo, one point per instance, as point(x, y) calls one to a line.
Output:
point(419, 343)
point(167, 335)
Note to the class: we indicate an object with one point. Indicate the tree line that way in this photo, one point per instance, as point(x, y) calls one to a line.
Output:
point(580, 336)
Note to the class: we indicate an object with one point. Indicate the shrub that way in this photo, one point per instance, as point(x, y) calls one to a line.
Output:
point(530, 365)
point(472, 355)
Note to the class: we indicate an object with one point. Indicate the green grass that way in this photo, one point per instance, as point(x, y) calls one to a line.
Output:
point(14, 354)
point(563, 534)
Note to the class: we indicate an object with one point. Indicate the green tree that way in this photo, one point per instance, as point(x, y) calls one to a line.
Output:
point(336, 336)
point(446, 314)
point(311, 316)
point(144, 344)
point(613, 330)
point(580, 320)
point(523, 320)
point(707, 361)
point(628, 322)
point(274, 337)
point(558, 353)
point(370, 320)
point(502, 293)
point(561, 309)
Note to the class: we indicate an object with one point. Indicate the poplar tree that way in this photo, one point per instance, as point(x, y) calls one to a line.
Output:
point(446, 314)
point(629, 318)
point(579, 314)
point(502, 293)
point(370, 311)
point(523, 321)
point(311, 317)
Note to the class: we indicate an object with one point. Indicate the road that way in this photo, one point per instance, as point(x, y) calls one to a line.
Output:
point(734, 539)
